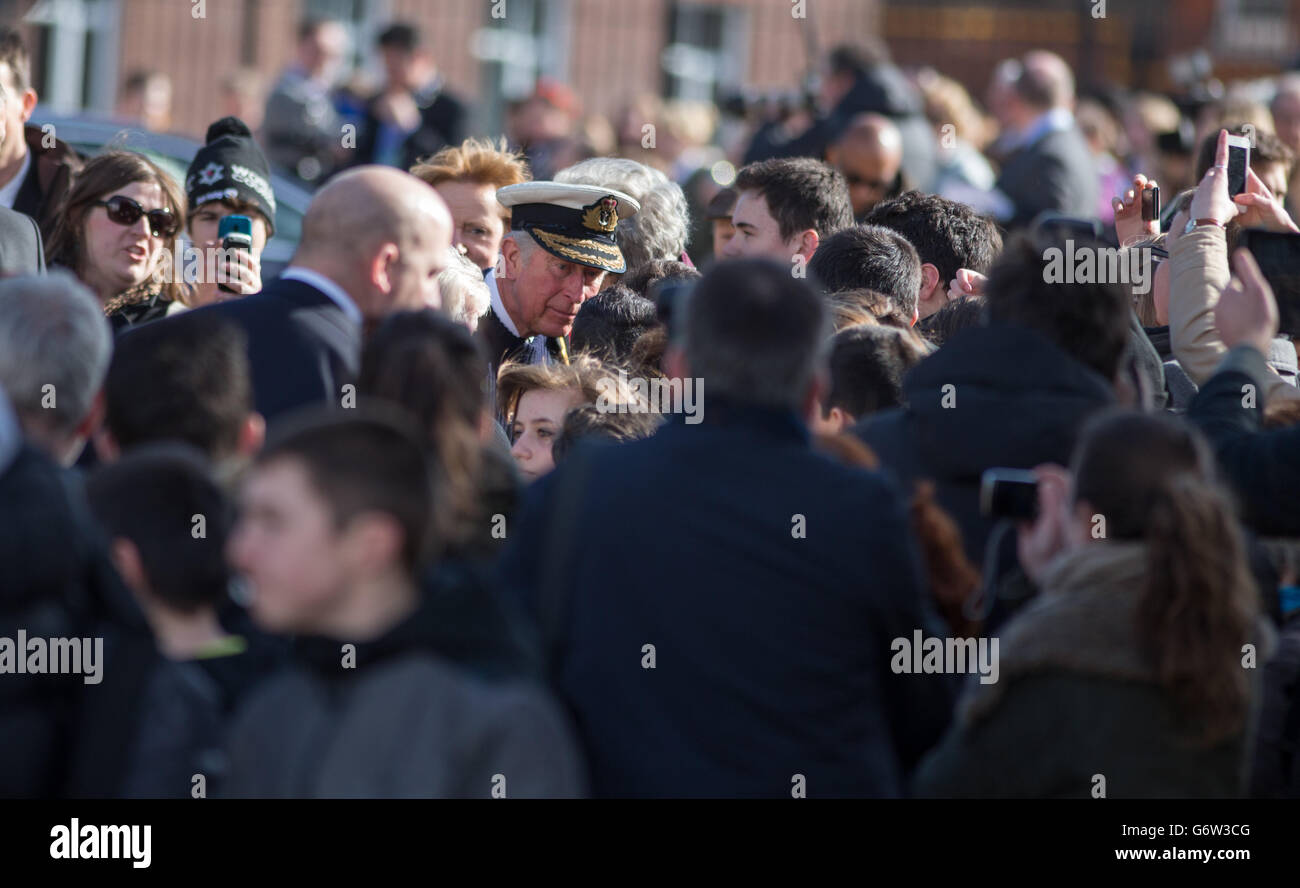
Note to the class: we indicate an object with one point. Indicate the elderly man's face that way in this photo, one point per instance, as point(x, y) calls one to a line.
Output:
point(548, 290)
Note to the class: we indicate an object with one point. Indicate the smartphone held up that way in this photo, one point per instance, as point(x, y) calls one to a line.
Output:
point(236, 233)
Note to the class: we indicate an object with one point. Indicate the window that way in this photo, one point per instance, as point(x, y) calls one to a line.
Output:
point(530, 41)
point(362, 19)
point(706, 49)
point(1259, 28)
point(74, 53)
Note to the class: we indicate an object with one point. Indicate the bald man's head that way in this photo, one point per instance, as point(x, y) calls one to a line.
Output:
point(870, 154)
point(382, 235)
point(1045, 81)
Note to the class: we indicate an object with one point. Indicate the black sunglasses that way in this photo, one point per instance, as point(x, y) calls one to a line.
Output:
point(125, 211)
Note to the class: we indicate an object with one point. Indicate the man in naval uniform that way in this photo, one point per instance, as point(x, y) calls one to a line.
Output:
point(555, 257)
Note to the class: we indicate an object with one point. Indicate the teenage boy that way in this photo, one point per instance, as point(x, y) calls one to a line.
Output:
point(335, 522)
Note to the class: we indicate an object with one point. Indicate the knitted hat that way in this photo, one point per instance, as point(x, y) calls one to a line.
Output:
point(230, 167)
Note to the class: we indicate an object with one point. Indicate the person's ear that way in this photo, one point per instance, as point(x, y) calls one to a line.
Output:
point(29, 103)
point(94, 418)
point(931, 280)
point(252, 434)
point(841, 419)
point(130, 567)
point(372, 541)
point(381, 267)
point(808, 242)
point(106, 446)
point(509, 261)
point(674, 362)
point(818, 390)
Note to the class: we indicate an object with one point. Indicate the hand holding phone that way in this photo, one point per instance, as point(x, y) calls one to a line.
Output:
point(1212, 199)
point(1009, 493)
point(1151, 203)
point(1238, 164)
point(235, 233)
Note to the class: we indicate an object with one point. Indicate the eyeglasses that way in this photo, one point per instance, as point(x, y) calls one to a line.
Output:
point(125, 211)
point(874, 184)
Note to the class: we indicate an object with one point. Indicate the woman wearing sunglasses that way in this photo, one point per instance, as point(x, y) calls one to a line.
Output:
point(116, 232)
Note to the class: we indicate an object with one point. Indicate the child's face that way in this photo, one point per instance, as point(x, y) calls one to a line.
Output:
point(538, 419)
point(287, 546)
point(206, 221)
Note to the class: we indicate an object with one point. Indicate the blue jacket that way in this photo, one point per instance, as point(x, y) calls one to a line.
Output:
point(770, 581)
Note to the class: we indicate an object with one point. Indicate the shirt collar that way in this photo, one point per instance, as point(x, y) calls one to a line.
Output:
point(9, 193)
point(498, 307)
point(1051, 121)
point(326, 286)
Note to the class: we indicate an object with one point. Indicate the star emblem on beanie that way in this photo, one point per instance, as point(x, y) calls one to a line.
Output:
point(210, 173)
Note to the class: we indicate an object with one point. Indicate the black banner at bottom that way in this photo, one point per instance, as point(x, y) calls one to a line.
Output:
point(212, 837)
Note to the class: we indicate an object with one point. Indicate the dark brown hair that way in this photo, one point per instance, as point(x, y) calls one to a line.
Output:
point(365, 459)
point(434, 368)
point(1151, 476)
point(100, 177)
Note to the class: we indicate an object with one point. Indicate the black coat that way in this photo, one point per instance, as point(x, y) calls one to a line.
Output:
point(772, 648)
point(1055, 173)
point(21, 248)
point(302, 347)
point(1263, 466)
point(1017, 401)
point(60, 735)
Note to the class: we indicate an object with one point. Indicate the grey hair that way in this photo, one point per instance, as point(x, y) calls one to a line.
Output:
point(465, 295)
point(55, 345)
point(662, 227)
point(524, 241)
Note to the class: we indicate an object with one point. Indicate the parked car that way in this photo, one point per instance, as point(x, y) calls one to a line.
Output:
point(90, 135)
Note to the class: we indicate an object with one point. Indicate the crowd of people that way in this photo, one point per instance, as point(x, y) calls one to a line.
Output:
point(556, 469)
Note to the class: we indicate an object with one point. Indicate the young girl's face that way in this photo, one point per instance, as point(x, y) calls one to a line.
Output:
point(538, 419)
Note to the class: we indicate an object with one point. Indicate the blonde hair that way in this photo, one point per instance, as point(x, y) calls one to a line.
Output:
point(481, 161)
point(947, 102)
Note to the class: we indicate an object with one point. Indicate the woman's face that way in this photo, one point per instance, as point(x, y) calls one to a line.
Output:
point(538, 419)
point(118, 257)
point(476, 220)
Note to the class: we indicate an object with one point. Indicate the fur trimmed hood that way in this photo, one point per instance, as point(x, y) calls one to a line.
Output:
point(1084, 621)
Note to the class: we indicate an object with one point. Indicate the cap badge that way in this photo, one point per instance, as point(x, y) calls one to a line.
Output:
point(601, 215)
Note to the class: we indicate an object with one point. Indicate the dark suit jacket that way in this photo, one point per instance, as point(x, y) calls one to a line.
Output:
point(21, 249)
point(302, 348)
point(1055, 173)
point(772, 646)
point(442, 123)
point(49, 179)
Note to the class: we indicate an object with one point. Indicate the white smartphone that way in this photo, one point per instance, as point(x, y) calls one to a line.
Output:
point(1238, 163)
